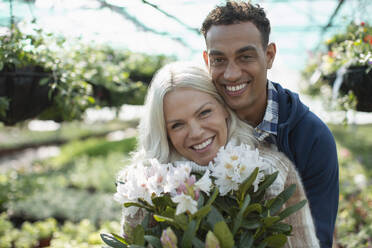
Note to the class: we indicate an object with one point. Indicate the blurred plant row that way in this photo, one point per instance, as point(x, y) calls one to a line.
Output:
point(67, 200)
point(341, 73)
point(47, 76)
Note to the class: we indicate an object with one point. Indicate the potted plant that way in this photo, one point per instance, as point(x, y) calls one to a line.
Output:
point(346, 67)
point(23, 77)
point(34, 79)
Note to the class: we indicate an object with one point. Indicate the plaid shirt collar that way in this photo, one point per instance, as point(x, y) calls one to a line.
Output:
point(269, 125)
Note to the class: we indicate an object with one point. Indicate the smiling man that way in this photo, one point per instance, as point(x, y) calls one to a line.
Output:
point(238, 56)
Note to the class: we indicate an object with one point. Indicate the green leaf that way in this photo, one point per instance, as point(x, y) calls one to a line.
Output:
point(139, 234)
point(154, 241)
point(44, 81)
point(224, 235)
point(266, 183)
point(111, 241)
point(269, 221)
point(281, 227)
point(281, 199)
point(247, 184)
point(197, 243)
point(160, 218)
point(251, 224)
point(136, 204)
point(224, 205)
point(213, 197)
point(162, 202)
point(239, 217)
point(263, 244)
point(201, 213)
point(276, 241)
point(188, 235)
point(255, 207)
point(246, 240)
point(182, 221)
point(169, 212)
point(290, 210)
point(121, 239)
point(214, 216)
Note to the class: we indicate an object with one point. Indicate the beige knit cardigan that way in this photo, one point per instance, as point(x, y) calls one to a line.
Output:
point(303, 232)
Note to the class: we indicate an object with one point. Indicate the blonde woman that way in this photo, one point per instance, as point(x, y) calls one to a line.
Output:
point(186, 119)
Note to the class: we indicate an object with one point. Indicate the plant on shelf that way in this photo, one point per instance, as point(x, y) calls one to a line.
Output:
point(33, 78)
point(45, 76)
point(343, 72)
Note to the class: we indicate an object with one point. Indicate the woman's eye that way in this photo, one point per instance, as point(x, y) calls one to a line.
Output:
point(205, 112)
point(175, 125)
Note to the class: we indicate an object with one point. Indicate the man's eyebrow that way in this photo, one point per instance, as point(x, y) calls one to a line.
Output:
point(215, 53)
point(246, 49)
point(240, 50)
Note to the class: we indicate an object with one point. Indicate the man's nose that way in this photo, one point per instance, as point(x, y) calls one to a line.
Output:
point(232, 72)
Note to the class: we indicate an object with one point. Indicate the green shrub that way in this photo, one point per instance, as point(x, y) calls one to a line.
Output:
point(96, 173)
point(92, 147)
point(66, 204)
point(30, 235)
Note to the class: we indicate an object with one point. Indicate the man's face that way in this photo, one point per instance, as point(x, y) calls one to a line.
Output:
point(238, 64)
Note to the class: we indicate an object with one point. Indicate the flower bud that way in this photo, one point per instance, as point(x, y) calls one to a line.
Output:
point(211, 241)
point(191, 180)
point(168, 239)
point(197, 194)
point(182, 189)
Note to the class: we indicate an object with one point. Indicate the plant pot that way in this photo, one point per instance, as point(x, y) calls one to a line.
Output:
point(28, 97)
point(359, 82)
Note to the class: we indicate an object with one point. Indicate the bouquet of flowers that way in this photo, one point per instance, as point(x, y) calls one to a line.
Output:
point(184, 205)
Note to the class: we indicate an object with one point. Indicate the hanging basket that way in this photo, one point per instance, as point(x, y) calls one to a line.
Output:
point(28, 90)
point(359, 82)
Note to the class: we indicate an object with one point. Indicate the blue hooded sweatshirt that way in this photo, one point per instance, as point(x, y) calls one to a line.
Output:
point(308, 142)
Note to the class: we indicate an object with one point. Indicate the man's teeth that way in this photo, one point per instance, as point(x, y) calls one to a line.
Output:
point(236, 87)
point(202, 145)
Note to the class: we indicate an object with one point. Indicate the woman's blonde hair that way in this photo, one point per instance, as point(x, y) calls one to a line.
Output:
point(153, 141)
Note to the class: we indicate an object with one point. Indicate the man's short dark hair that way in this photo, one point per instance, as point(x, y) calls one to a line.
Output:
point(235, 12)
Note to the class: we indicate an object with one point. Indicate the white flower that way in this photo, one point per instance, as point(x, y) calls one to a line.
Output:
point(204, 183)
point(234, 164)
point(128, 211)
point(185, 203)
point(157, 174)
point(133, 184)
point(225, 185)
point(176, 176)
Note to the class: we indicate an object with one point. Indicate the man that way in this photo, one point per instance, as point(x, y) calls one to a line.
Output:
point(238, 56)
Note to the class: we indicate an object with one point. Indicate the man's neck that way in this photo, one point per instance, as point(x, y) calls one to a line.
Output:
point(255, 114)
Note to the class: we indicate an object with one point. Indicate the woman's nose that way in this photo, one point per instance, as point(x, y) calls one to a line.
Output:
point(196, 130)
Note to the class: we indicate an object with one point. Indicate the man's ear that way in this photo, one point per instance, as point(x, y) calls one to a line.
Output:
point(205, 57)
point(270, 55)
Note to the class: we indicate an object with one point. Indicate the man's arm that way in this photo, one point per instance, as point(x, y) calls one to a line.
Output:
point(318, 166)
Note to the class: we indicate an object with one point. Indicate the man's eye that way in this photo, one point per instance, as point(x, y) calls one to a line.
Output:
point(246, 57)
point(217, 61)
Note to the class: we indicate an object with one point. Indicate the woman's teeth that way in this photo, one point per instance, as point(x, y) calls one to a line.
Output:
point(202, 145)
point(236, 87)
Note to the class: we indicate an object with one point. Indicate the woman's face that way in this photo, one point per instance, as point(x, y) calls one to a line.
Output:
point(196, 124)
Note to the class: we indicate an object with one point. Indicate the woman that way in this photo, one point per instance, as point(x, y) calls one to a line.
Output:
point(186, 119)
